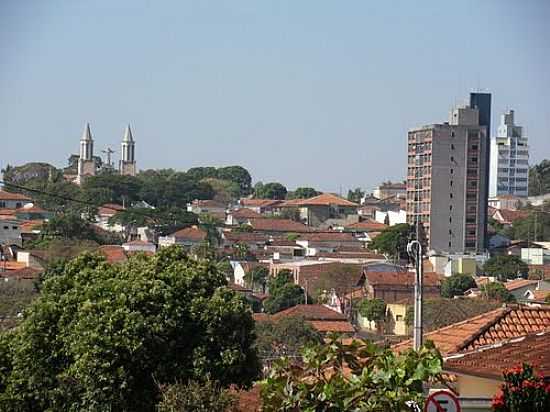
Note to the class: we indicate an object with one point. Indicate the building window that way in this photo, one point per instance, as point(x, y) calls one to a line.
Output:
point(6, 227)
point(452, 146)
point(14, 227)
point(452, 158)
point(452, 171)
point(450, 195)
point(18, 205)
point(451, 183)
point(2, 204)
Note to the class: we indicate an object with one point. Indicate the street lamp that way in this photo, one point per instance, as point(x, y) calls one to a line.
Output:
point(414, 249)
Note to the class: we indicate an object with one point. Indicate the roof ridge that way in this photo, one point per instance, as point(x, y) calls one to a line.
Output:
point(505, 311)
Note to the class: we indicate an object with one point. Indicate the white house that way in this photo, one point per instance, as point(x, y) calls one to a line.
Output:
point(10, 200)
point(139, 246)
point(10, 232)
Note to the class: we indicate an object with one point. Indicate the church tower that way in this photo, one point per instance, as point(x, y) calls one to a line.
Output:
point(128, 160)
point(86, 161)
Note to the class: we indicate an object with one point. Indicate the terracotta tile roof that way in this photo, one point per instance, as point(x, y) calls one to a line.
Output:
point(291, 203)
point(9, 213)
point(261, 317)
point(540, 295)
point(326, 199)
point(113, 253)
point(192, 233)
point(28, 226)
point(278, 225)
point(109, 209)
point(310, 312)
point(245, 237)
point(326, 326)
point(23, 273)
point(238, 288)
point(260, 202)
point(138, 243)
point(328, 237)
point(519, 283)
point(244, 213)
point(366, 226)
point(14, 196)
point(400, 278)
point(12, 265)
point(208, 203)
point(489, 362)
point(509, 216)
point(488, 328)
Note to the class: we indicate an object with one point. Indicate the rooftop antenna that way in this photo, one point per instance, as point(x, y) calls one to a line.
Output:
point(108, 152)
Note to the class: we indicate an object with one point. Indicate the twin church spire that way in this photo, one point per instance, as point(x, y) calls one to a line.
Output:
point(87, 163)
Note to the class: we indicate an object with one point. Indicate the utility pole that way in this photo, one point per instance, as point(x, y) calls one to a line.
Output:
point(414, 249)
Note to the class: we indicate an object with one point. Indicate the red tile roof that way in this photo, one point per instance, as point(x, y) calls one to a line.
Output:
point(366, 226)
point(508, 216)
point(109, 209)
point(400, 278)
point(328, 237)
point(139, 243)
point(278, 225)
point(326, 326)
point(260, 202)
point(23, 273)
point(519, 283)
point(28, 226)
point(326, 199)
point(208, 203)
point(489, 362)
point(244, 213)
point(540, 295)
point(193, 234)
point(113, 253)
point(13, 196)
point(310, 312)
point(245, 237)
point(488, 328)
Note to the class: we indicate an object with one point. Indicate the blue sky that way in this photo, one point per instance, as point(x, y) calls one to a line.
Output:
point(308, 93)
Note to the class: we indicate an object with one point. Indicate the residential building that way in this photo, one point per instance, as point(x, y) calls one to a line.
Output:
point(211, 207)
point(447, 182)
point(316, 243)
point(390, 190)
point(396, 287)
point(479, 373)
point(506, 216)
point(188, 237)
point(253, 241)
point(509, 174)
point(261, 206)
point(277, 226)
point(391, 217)
point(106, 212)
point(322, 318)
point(525, 289)
point(139, 246)
point(10, 232)
point(9, 200)
point(505, 202)
point(319, 209)
point(241, 216)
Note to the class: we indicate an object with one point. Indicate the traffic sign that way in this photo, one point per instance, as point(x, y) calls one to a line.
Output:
point(442, 401)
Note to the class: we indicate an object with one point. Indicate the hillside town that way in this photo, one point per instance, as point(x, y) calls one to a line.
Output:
point(339, 266)
point(247, 206)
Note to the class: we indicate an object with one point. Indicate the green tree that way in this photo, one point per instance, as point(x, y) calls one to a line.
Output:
point(272, 190)
point(355, 195)
point(238, 175)
point(257, 278)
point(195, 396)
point(102, 337)
point(131, 219)
point(376, 379)
point(286, 337)
point(506, 267)
point(124, 189)
point(539, 178)
point(392, 241)
point(283, 293)
point(303, 193)
point(69, 226)
point(374, 310)
point(497, 291)
point(456, 285)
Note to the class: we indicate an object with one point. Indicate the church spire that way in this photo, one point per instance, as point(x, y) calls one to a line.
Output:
point(87, 134)
point(128, 135)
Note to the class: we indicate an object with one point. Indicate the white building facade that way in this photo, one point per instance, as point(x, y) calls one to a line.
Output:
point(509, 173)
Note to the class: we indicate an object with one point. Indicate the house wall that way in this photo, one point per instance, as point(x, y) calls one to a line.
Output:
point(474, 387)
point(10, 232)
point(395, 322)
point(12, 204)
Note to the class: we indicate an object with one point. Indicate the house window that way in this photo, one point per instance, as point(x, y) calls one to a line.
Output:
point(14, 227)
point(452, 158)
point(398, 318)
point(18, 205)
point(2, 204)
point(6, 227)
point(452, 146)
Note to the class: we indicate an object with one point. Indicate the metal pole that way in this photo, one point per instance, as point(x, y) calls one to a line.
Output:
point(414, 249)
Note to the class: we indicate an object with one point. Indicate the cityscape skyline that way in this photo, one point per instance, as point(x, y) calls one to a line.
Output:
point(312, 88)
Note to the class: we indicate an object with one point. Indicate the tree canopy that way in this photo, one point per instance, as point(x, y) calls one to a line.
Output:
point(102, 336)
point(392, 241)
point(456, 285)
point(506, 267)
point(272, 190)
point(539, 178)
point(497, 291)
point(376, 379)
point(283, 293)
point(303, 193)
point(355, 195)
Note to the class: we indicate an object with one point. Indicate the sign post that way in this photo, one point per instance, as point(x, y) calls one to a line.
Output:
point(442, 401)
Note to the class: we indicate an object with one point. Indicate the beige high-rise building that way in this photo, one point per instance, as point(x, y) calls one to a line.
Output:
point(447, 183)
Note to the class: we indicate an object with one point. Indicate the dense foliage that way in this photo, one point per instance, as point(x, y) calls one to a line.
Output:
point(355, 195)
point(456, 285)
point(522, 390)
point(256, 278)
point(392, 241)
point(506, 267)
point(206, 396)
point(496, 291)
point(303, 193)
point(286, 337)
point(102, 337)
point(539, 178)
point(377, 379)
point(373, 309)
point(283, 293)
point(271, 190)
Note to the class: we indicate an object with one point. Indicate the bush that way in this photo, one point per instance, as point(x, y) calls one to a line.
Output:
point(506, 267)
point(456, 285)
point(497, 291)
point(373, 309)
point(195, 396)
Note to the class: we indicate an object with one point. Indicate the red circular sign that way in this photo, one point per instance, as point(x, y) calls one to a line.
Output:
point(442, 401)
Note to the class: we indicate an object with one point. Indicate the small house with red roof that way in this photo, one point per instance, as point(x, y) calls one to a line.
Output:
point(187, 237)
point(317, 210)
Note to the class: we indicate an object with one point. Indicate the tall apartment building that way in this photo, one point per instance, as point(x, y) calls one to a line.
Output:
point(447, 182)
point(509, 172)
